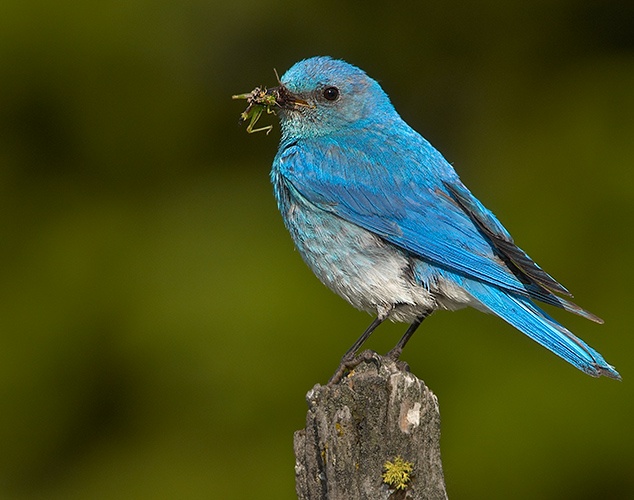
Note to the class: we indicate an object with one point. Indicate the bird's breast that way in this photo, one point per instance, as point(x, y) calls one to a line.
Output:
point(370, 273)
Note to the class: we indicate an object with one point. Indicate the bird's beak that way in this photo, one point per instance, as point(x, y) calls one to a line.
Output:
point(285, 99)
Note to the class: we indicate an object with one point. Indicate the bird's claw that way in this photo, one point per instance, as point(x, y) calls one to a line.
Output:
point(351, 363)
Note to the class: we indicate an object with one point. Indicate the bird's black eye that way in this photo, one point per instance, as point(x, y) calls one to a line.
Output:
point(331, 93)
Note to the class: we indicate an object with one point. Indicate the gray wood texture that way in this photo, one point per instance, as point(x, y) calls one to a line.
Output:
point(377, 413)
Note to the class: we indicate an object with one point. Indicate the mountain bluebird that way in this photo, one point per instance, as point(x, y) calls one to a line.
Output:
point(384, 221)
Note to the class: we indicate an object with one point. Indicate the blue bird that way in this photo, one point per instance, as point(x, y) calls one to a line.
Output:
point(384, 221)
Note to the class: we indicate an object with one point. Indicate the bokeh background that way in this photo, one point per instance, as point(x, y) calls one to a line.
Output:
point(158, 332)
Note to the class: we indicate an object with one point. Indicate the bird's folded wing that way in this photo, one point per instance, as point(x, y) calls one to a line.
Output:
point(422, 208)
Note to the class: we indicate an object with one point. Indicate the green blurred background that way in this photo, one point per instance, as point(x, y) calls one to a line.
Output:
point(159, 332)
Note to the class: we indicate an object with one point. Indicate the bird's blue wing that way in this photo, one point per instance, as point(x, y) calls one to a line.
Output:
point(417, 203)
point(499, 237)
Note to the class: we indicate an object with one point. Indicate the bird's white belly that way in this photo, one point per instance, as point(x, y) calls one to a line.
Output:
point(370, 273)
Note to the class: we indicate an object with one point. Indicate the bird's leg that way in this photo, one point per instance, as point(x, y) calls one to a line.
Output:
point(398, 349)
point(349, 360)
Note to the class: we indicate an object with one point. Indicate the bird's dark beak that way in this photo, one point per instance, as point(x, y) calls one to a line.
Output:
point(285, 99)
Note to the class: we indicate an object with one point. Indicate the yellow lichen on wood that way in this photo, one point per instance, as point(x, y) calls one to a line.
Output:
point(397, 473)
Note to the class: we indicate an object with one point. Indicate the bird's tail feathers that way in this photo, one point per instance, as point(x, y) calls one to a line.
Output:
point(524, 315)
point(546, 296)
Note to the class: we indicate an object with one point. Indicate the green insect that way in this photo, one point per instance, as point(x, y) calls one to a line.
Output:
point(258, 100)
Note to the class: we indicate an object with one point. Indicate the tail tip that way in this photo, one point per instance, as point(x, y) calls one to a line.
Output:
point(607, 371)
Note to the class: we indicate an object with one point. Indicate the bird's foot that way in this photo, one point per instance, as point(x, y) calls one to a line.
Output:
point(348, 364)
point(394, 356)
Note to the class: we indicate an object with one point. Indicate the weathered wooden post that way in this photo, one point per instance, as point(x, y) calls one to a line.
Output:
point(373, 435)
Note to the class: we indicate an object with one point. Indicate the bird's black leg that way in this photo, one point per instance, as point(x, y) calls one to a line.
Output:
point(349, 360)
point(398, 349)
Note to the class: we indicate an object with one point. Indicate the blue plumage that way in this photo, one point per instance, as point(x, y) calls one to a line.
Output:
point(384, 221)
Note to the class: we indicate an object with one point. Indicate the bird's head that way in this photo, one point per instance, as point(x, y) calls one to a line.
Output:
point(320, 96)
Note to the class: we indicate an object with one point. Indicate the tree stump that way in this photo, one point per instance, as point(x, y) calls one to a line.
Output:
point(373, 425)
